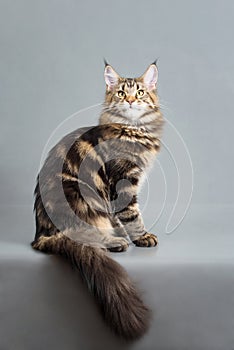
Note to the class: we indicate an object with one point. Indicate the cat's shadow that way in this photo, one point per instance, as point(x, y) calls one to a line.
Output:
point(72, 311)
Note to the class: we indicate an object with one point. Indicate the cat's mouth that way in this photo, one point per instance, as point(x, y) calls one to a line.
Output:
point(133, 112)
point(132, 106)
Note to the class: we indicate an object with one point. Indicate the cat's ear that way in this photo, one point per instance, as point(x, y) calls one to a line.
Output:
point(150, 77)
point(111, 77)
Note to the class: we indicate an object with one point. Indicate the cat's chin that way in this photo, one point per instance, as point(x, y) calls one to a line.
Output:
point(133, 113)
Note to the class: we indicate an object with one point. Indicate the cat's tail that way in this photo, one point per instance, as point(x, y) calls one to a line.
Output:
point(120, 304)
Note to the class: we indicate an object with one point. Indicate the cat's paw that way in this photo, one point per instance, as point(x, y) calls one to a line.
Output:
point(146, 240)
point(118, 245)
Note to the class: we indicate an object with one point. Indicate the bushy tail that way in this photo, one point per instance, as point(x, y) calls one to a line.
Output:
point(121, 306)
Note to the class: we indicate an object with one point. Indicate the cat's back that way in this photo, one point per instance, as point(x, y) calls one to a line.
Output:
point(66, 147)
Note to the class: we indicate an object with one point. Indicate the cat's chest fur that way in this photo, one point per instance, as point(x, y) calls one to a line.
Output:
point(127, 152)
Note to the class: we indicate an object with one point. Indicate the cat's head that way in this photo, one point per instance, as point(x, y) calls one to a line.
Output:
point(131, 100)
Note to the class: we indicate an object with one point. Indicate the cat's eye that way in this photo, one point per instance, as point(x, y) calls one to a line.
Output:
point(121, 93)
point(140, 93)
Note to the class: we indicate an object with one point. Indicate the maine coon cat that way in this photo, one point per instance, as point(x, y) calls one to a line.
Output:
point(86, 196)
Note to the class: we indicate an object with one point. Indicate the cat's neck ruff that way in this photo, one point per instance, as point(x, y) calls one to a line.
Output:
point(151, 121)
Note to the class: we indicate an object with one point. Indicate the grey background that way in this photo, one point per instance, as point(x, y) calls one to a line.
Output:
point(51, 65)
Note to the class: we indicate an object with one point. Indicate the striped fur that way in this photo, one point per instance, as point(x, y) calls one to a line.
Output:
point(86, 196)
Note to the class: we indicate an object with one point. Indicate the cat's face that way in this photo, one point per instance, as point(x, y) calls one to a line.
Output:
point(131, 99)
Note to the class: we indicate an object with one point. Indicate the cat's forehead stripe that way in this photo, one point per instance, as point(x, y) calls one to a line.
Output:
point(129, 83)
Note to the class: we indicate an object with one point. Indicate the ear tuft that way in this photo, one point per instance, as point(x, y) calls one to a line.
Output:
point(105, 62)
point(111, 77)
point(150, 77)
point(155, 62)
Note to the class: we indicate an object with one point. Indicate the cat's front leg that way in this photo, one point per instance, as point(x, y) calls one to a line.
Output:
point(133, 223)
point(146, 240)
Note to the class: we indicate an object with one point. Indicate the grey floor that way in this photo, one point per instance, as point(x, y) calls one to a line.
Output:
point(188, 282)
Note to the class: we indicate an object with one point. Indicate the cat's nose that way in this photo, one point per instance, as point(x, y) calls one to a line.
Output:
point(130, 100)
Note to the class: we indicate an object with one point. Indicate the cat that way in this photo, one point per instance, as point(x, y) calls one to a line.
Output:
point(86, 196)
